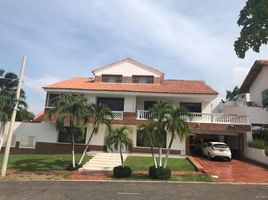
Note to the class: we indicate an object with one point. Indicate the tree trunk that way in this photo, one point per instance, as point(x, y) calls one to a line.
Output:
point(154, 158)
point(121, 156)
point(86, 148)
point(168, 150)
point(2, 131)
point(73, 155)
point(160, 156)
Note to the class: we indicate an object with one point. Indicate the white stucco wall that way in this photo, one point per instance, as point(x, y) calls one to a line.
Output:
point(256, 155)
point(126, 69)
point(130, 104)
point(42, 132)
point(260, 84)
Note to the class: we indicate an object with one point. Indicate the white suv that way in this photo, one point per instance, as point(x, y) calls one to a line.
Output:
point(216, 150)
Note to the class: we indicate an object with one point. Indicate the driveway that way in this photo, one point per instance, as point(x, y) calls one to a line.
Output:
point(235, 171)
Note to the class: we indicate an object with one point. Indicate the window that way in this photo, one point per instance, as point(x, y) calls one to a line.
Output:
point(143, 79)
point(112, 78)
point(51, 99)
point(142, 143)
point(148, 104)
point(65, 136)
point(115, 104)
point(192, 107)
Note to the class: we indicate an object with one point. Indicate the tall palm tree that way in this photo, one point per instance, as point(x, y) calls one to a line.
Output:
point(71, 109)
point(99, 114)
point(8, 87)
point(176, 126)
point(159, 113)
point(148, 134)
point(119, 139)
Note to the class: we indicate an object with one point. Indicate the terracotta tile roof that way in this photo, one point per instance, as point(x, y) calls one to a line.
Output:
point(39, 117)
point(167, 86)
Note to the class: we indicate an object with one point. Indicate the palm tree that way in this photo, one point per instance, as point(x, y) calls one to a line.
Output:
point(176, 126)
point(159, 113)
point(72, 109)
point(100, 114)
point(119, 139)
point(148, 134)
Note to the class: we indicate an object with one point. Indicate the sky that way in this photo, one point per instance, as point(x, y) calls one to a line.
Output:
point(190, 40)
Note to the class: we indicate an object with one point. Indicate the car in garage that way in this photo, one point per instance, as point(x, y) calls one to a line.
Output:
point(213, 150)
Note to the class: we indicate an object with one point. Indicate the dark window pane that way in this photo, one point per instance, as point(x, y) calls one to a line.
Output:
point(192, 107)
point(142, 143)
point(115, 104)
point(51, 99)
point(142, 79)
point(112, 78)
point(148, 104)
point(65, 136)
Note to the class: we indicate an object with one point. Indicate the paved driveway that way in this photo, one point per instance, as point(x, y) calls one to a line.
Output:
point(235, 171)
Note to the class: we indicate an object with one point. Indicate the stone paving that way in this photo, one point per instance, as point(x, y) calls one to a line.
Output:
point(235, 171)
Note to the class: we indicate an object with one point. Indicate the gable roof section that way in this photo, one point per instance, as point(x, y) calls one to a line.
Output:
point(252, 75)
point(139, 64)
point(167, 86)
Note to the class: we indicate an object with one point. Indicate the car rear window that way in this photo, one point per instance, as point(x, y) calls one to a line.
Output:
point(220, 146)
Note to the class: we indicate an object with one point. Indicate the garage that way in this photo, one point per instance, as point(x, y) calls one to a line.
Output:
point(234, 141)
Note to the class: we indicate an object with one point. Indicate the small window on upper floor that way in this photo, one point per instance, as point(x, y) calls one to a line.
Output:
point(143, 79)
point(112, 78)
point(51, 98)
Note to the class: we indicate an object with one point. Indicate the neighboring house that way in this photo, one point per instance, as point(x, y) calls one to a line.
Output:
point(249, 100)
point(129, 88)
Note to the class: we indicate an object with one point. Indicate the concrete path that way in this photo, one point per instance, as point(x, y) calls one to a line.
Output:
point(103, 162)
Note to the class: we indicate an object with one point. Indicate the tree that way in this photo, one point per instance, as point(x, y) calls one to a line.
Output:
point(254, 20)
point(8, 87)
point(176, 126)
point(265, 99)
point(119, 139)
point(159, 113)
point(148, 133)
point(70, 109)
point(232, 95)
point(99, 114)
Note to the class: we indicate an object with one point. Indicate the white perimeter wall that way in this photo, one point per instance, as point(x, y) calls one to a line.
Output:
point(47, 133)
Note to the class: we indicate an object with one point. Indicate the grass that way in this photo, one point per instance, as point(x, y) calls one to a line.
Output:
point(138, 163)
point(40, 162)
point(186, 177)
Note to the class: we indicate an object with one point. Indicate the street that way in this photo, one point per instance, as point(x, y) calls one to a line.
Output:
point(131, 191)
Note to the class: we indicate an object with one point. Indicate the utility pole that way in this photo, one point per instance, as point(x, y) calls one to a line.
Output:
point(13, 117)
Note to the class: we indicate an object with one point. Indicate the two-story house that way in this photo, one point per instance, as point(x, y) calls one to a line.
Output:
point(129, 88)
point(249, 100)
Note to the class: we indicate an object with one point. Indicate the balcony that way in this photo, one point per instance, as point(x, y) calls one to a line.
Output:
point(217, 118)
point(117, 115)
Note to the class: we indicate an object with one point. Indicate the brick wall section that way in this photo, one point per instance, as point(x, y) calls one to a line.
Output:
point(131, 119)
point(127, 79)
point(97, 79)
point(53, 148)
point(56, 148)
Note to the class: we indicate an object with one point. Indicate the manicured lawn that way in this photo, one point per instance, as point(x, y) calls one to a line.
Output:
point(138, 163)
point(40, 162)
point(186, 177)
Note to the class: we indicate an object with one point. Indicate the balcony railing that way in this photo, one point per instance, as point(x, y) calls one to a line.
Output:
point(218, 118)
point(118, 115)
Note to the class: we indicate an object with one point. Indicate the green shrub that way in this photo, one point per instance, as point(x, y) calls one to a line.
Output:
point(122, 172)
point(160, 173)
point(258, 144)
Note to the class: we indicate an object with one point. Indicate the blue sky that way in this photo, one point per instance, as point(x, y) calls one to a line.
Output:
point(185, 39)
